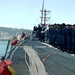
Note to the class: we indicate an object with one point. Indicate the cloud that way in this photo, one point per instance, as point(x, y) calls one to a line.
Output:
point(7, 25)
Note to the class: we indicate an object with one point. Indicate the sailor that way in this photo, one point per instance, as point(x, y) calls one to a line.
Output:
point(52, 41)
point(73, 39)
point(54, 33)
point(34, 31)
point(50, 34)
point(58, 39)
point(69, 38)
point(63, 38)
point(39, 32)
point(47, 35)
point(43, 30)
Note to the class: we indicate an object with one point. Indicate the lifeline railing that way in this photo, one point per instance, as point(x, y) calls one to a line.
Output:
point(32, 60)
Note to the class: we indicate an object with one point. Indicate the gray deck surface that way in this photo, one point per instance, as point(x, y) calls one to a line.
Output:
point(19, 64)
point(59, 63)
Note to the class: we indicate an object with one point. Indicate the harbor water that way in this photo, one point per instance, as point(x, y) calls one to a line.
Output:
point(3, 45)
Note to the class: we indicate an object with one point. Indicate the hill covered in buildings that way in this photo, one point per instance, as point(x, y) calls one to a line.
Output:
point(6, 33)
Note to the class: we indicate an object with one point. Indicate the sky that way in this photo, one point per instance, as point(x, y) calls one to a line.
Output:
point(26, 13)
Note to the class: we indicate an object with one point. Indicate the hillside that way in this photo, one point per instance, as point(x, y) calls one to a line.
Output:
point(12, 32)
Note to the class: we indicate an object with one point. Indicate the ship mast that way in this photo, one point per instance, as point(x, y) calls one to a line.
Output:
point(44, 13)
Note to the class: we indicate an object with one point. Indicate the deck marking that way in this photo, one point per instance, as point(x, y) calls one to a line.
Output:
point(40, 47)
point(43, 60)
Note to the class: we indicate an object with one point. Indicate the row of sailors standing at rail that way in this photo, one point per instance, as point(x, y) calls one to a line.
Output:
point(62, 36)
point(39, 32)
